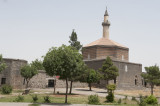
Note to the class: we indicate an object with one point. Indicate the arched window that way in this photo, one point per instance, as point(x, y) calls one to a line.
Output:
point(88, 56)
point(135, 81)
point(145, 84)
point(136, 78)
point(126, 68)
point(122, 57)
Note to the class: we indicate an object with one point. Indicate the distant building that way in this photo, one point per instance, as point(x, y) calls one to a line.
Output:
point(96, 52)
point(12, 76)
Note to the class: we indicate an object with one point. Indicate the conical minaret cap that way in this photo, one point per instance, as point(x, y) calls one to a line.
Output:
point(106, 12)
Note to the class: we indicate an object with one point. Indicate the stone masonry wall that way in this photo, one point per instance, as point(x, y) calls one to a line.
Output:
point(89, 53)
point(41, 81)
point(12, 73)
point(123, 52)
point(128, 73)
point(101, 52)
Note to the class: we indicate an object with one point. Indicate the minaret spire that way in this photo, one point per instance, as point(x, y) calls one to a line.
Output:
point(106, 12)
point(106, 25)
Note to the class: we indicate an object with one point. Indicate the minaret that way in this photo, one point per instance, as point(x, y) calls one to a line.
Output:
point(106, 25)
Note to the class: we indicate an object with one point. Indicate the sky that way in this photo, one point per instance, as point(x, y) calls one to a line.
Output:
point(28, 28)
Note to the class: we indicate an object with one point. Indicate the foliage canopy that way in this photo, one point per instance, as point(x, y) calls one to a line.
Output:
point(152, 76)
point(37, 64)
point(2, 64)
point(64, 62)
point(28, 71)
point(74, 41)
point(109, 71)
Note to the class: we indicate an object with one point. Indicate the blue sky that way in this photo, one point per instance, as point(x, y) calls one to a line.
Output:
point(28, 28)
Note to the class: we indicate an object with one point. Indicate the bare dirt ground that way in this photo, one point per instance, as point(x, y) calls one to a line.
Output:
point(137, 93)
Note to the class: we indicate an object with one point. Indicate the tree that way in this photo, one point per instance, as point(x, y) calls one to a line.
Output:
point(28, 71)
point(74, 41)
point(109, 71)
point(76, 45)
point(110, 96)
point(2, 64)
point(37, 64)
point(63, 62)
point(152, 76)
point(91, 76)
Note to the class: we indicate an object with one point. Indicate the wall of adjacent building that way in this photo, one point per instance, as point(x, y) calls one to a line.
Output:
point(127, 76)
point(41, 81)
point(12, 73)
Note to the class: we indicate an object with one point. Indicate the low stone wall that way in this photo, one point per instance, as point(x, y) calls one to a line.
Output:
point(41, 81)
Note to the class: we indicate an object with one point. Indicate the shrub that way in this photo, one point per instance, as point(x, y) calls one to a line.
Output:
point(57, 92)
point(111, 87)
point(6, 89)
point(34, 98)
point(133, 98)
point(126, 97)
point(110, 97)
point(93, 99)
point(47, 99)
point(19, 99)
point(141, 101)
point(119, 101)
point(151, 100)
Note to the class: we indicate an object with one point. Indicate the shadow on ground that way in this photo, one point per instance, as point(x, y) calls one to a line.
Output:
point(101, 92)
point(82, 90)
point(49, 104)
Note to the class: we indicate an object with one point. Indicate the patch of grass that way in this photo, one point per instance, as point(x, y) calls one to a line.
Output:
point(34, 105)
point(18, 91)
point(72, 99)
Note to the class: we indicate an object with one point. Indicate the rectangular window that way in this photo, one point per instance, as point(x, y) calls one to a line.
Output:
point(3, 81)
point(50, 83)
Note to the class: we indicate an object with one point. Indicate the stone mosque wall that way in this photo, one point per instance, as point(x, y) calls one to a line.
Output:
point(129, 74)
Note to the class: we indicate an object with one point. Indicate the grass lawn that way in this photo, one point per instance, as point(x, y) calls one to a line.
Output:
point(59, 98)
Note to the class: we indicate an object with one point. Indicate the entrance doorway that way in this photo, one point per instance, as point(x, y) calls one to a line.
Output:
point(51, 83)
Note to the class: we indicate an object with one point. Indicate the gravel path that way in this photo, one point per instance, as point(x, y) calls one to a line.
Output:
point(82, 91)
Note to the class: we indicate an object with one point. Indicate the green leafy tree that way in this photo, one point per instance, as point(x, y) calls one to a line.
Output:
point(109, 71)
point(152, 76)
point(2, 64)
point(74, 41)
point(76, 45)
point(37, 64)
point(63, 62)
point(28, 71)
point(90, 76)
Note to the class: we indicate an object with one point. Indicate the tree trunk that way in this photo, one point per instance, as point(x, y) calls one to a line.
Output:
point(54, 86)
point(152, 86)
point(27, 83)
point(90, 87)
point(66, 90)
point(70, 92)
point(107, 82)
